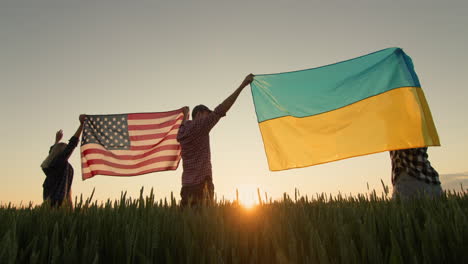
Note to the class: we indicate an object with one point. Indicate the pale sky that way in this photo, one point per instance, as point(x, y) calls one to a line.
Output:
point(59, 59)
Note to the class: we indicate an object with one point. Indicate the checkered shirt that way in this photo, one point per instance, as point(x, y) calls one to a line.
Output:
point(194, 139)
point(414, 162)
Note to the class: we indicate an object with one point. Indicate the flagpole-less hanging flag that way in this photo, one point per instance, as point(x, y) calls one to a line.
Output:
point(130, 144)
point(365, 105)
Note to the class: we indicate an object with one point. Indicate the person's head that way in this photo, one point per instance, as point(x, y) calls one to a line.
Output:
point(200, 111)
point(53, 153)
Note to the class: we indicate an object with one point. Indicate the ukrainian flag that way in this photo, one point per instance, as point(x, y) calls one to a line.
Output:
point(365, 105)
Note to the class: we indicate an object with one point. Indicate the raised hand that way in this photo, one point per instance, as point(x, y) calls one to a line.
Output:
point(58, 136)
point(248, 79)
point(186, 110)
point(82, 118)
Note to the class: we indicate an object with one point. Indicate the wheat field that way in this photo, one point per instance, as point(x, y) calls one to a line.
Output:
point(366, 228)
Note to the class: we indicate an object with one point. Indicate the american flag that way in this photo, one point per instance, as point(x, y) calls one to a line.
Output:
point(130, 144)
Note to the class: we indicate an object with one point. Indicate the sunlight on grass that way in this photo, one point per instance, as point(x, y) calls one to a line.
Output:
point(318, 229)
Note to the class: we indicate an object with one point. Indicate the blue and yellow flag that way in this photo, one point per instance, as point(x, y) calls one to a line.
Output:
point(365, 105)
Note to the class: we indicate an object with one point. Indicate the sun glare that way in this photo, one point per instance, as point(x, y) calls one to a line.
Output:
point(247, 196)
point(249, 204)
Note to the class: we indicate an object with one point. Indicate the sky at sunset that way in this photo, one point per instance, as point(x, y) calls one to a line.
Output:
point(59, 59)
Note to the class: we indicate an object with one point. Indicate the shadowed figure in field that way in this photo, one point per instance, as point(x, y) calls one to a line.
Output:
point(59, 173)
point(413, 175)
point(193, 136)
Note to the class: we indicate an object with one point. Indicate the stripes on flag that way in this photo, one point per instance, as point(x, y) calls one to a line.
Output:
point(130, 144)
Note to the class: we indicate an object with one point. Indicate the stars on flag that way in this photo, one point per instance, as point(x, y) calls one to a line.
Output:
point(110, 131)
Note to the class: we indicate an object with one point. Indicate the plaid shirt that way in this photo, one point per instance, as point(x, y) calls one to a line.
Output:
point(415, 163)
point(194, 139)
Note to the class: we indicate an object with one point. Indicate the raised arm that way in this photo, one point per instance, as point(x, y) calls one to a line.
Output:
point(80, 128)
point(204, 125)
point(185, 111)
point(209, 122)
point(228, 102)
point(72, 143)
point(58, 136)
point(74, 140)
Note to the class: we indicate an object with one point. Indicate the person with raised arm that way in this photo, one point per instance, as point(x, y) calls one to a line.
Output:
point(193, 136)
point(58, 171)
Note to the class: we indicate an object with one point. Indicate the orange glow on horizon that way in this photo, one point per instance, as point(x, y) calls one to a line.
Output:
point(249, 204)
point(247, 196)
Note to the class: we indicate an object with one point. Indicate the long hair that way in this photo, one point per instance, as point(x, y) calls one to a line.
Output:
point(53, 153)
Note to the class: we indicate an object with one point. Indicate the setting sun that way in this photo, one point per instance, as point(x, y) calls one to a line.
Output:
point(248, 204)
point(247, 196)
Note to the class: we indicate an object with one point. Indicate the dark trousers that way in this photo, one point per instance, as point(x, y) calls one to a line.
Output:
point(197, 194)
